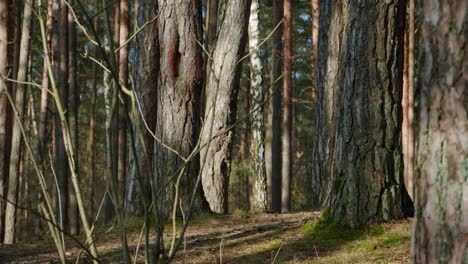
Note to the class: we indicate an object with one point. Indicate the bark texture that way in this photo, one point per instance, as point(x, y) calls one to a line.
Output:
point(257, 146)
point(441, 224)
point(179, 88)
point(145, 77)
point(221, 105)
point(15, 157)
point(4, 17)
point(357, 155)
point(276, 113)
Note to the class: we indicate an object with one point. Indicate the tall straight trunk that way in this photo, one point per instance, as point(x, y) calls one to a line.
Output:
point(287, 112)
point(73, 216)
point(315, 13)
point(410, 144)
point(145, 76)
point(179, 89)
point(259, 200)
point(358, 144)
point(91, 146)
point(61, 71)
point(211, 23)
point(13, 181)
point(123, 78)
point(43, 115)
point(4, 17)
point(441, 223)
point(221, 105)
point(276, 76)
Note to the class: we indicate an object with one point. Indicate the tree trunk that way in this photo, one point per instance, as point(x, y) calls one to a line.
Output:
point(13, 181)
point(4, 17)
point(145, 76)
point(315, 13)
point(276, 97)
point(287, 112)
point(220, 111)
point(91, 146)
point(358, 148)
point(257, 147)
point(42, 127)
point(61, 71)
point(123, 78)
point(441, 223)
point(73, 216)
point(179, 88)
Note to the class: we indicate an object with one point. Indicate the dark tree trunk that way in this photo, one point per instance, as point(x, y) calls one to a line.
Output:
point(358, 160)
point(61, 71)
point(179, 88)
point(286, 144)
point(276, 97)
point(220, 111)
point(73, 216)
point(440, 227)
point(145, 76)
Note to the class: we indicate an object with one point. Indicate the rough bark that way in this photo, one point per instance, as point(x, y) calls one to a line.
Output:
point(257, 147)
point(61, 71)
point(4, 17)
point(74, 225)
point(286, 139)
point(179, 88)
point(441, 224)
point(14, 173)
point(145, 76)
point(276, 160)
point(358, 160)
point(220, 111)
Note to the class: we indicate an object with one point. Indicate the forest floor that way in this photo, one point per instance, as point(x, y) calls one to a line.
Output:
point(300, 237)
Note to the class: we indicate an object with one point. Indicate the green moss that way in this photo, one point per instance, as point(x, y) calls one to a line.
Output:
point(393, 240)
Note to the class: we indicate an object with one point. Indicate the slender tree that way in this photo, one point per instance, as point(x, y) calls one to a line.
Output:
point(15, 157)
point(61, 70)
point(73, 216)
point(123, 78)
point(220, 111)
point(358, 146)
point(287, 112)
point(257, 146)
point(440, 226)
point(4, 16)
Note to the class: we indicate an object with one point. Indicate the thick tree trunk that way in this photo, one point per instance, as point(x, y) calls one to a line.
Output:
point(276, 160)
point(220, 110)
point(73, 216)
point(358, 156)
point(4, 17)
point(179, 88)
point(286, 146)
point(13, 181)
point(61, 71)
point(441, 223)
point(257, 146)
point(145, 76)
